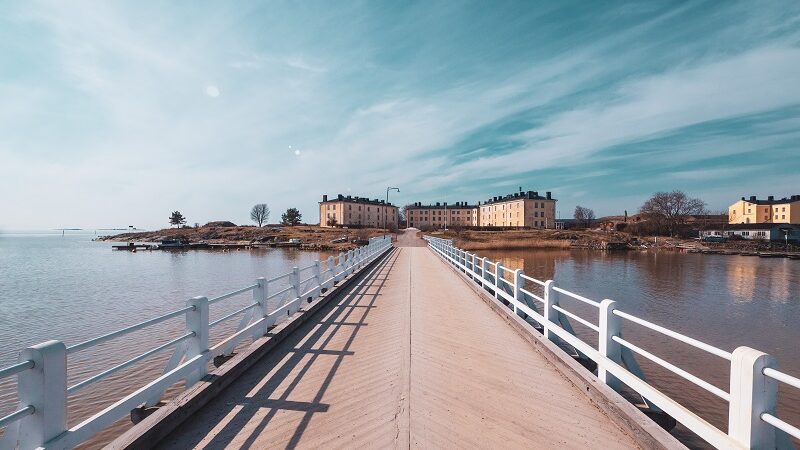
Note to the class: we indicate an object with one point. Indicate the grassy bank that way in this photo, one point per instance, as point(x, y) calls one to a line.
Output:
point(528, 239)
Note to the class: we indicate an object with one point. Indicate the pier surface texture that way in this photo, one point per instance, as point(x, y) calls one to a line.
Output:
point(409, 357)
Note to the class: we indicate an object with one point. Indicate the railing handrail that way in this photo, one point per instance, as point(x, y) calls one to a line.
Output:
point(749, 368)
point(192, 347)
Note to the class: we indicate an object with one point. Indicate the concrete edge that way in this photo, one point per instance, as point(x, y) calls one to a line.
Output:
point(626, 416)
point(160, 423)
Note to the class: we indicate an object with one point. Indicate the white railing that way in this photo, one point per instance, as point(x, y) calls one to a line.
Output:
point(40, 421)
point(753, 394)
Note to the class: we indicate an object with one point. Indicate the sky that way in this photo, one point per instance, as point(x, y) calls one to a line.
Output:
point(116, 113)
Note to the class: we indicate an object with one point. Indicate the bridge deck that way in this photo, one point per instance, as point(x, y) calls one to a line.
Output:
point(410, 358)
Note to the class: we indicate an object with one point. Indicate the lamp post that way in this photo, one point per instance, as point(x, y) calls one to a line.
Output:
point(386, 208)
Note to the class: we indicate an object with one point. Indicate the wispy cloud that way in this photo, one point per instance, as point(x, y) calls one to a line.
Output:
point(108, 104)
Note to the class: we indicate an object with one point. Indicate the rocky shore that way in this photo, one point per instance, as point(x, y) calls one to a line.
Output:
point(310, 237)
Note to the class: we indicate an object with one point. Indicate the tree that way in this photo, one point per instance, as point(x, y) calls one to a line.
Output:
point(332, 222)
point(669, 210)
point(584, 215)
point(260, 214)
point(291, 217)
point(177, 218)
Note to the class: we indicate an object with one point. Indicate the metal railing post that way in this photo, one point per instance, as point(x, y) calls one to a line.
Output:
point(610, 326)
point(260, 297)
point(45, 388)
point(752, 394)
point(519, 296)
point(294, 278)
point(197, 323)
point(550, 314)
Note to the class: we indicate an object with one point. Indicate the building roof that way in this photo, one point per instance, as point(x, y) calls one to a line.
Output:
point(771, 200)
point(530, 195)
point(456, 205)
point(356, 199)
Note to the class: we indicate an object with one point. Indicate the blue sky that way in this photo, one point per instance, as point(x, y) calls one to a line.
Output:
point(116, 113)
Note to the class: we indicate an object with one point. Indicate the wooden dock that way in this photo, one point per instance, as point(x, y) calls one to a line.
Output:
point(410, 357)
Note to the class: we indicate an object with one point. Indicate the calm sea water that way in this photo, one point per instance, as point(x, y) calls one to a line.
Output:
point(725, 301)
point(70, 288)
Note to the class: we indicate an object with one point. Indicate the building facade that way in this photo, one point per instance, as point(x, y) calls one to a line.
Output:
point(351, 211)
point(752, 210)
point(521, 209)
point(755, 231)
point(459, 214)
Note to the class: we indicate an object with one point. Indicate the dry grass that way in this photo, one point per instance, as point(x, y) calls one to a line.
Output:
point(525, 239)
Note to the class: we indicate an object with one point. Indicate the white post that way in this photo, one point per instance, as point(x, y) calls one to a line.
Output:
point(260, 311)
point(519, 297)
point(752, 394)
point(610, 326)
point(498, 285)
point(550, 314)
point(45, 388)
point(294, 278)
point(484, 266)
point(339, 268)
point(197, 323)
point(317, 271)
point(331, 266)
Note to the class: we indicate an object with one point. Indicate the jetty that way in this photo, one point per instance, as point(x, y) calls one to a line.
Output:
point(411, 344)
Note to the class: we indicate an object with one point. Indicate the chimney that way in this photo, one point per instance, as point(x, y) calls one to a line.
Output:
point(535, 193)
point(340, 197)
point(547, 194)
point(752, 198)
point(437, 204)
point(324, 198)
point(742, 198)
point(349, 197)
point(771, 198)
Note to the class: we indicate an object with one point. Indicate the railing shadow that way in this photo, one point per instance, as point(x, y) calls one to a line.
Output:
point(298, 354)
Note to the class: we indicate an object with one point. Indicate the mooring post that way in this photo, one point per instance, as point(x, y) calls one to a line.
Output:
point(752, 394)
point(610, 326)
point(44, 387)
point(197, 323)
point(550, 300)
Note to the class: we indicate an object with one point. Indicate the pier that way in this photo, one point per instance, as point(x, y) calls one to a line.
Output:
point(407, 345)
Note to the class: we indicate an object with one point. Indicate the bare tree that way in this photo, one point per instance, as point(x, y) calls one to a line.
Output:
point(669, 210)
point(584, 215)
point(260, 214)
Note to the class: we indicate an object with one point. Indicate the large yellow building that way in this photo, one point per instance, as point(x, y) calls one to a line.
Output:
point(459, 214)
point(785, 210)
point(521, 209)
point(352, 211)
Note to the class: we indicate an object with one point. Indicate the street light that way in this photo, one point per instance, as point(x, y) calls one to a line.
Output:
point(386, 209)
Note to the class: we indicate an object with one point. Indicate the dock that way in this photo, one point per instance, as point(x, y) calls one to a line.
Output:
point(411, 357)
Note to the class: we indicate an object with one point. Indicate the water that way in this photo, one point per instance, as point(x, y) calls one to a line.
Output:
point(73, 289)
point(725, 301)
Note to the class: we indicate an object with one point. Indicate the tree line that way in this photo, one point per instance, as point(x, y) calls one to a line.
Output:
point(663, 213)
point(258, 214)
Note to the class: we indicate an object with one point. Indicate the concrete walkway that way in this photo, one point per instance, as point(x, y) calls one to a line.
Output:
point(410, 358)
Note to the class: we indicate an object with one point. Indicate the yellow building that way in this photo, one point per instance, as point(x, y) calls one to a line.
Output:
point(785, 210)
point(352, 211)
point(521, 209)
point(459, 214)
